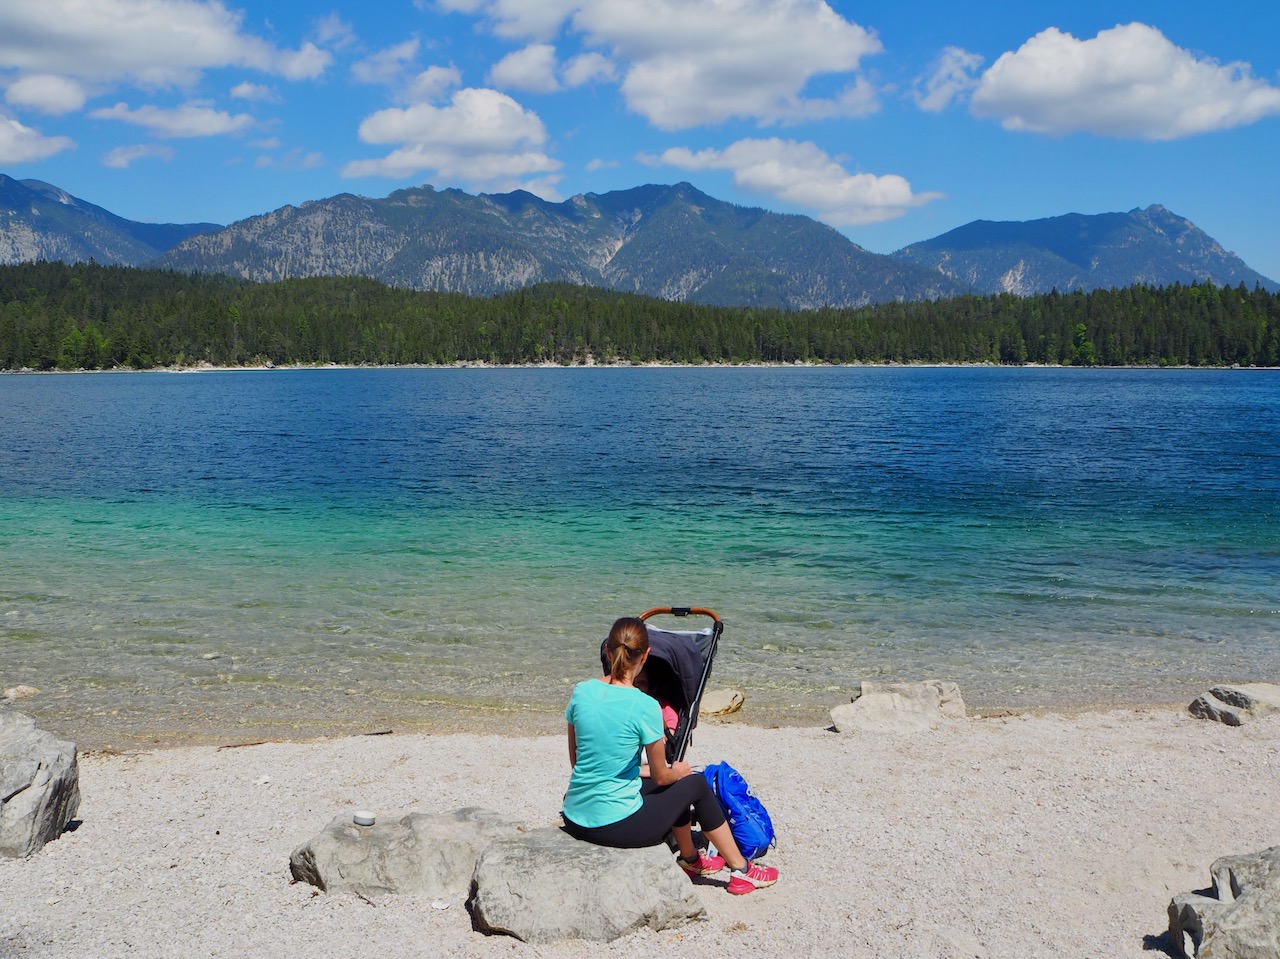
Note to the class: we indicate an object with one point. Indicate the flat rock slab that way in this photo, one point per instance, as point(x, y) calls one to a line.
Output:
point(1242, 921)
point(899, 707)
point(721, 702)
point(39, 785)
point(431, 854)
point(544, 886)
point(1237, 705)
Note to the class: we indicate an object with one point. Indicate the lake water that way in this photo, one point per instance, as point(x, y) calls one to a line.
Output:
point(231, 554)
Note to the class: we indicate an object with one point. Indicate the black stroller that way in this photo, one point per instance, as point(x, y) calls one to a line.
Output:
point(678, 668)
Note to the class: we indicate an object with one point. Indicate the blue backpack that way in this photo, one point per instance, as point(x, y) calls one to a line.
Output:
point(748, 819)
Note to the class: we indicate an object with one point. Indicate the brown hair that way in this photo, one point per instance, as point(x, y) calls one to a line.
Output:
point(628, 641)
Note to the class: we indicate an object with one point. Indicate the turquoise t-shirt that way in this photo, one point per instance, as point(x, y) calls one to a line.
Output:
point(611, 725)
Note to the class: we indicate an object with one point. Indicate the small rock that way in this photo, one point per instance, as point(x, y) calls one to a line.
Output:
point(899, 707)
point(16, 693)
point(721, 702)
point(1237, 705)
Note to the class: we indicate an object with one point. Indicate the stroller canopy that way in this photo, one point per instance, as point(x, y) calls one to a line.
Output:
point(678, 668)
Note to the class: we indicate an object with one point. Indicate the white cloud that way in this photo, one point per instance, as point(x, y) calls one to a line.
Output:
point(150, 42)
point(482, 138)
point(805, 176)
point(598, 164)
point(253, 91)
point(386, 66)
point(433, 83)
point(295, 159)
point(47, 93)
point(589, 68)
point(305, 63)
point(121, 157)
point(332, 31)
point(189, 120)
point(953, 77)
point(693, 62)
point(1129, 81)
point(21, 144)
point(532, 68)
point(518, 19)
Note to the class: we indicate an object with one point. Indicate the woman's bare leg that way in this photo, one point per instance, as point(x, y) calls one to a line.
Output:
point(684, 839)
point(722, 838)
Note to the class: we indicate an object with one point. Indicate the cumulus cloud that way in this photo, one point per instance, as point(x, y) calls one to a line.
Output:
point(537, 20)
point(433, 83)
point(150, 42)
point(189, 120)
point(305, 63)
point(805, 176)
point(253, 91)
point(21, 144)
point(532, 68)
point(480, 137)
point(47, 93)
point(386, 66)
point(1129, 81)
point(691, 62)
point(121, 157)
point(953, 77)
point(589, 68)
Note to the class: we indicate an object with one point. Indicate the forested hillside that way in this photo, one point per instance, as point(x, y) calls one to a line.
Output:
point(86, 316)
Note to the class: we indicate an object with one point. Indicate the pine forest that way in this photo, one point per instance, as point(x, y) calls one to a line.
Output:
point(88, 316)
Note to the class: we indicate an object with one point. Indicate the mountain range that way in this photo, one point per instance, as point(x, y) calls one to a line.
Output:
point(672, 242)
point(39, 221)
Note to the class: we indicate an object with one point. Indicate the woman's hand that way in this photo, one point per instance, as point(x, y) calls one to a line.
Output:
point(681, 769)
point(659, 771)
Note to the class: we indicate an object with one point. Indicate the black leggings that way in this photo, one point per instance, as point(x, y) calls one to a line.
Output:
point(664, 807)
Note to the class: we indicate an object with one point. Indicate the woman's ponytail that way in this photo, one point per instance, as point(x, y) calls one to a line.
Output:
point(627, 643)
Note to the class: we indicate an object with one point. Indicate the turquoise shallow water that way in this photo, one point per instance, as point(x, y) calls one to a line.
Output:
point(290, 552)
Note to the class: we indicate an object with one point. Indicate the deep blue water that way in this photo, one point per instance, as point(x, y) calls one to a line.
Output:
point(195, 553)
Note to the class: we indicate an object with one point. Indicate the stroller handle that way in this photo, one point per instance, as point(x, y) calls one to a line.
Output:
point(680, 611)
point(676, 747)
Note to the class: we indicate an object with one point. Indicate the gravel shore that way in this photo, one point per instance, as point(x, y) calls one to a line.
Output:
point(1004, 838)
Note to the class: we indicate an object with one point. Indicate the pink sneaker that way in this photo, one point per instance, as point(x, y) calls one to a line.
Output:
point(756, 877)
point(704, 865)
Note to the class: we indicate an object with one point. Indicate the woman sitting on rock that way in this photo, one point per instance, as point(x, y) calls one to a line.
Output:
point(608, 803)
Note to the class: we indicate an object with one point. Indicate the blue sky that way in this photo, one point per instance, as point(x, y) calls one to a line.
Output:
point(893, 122)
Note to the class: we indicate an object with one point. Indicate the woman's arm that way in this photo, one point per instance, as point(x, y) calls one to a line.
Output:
point(573, 747)
point(659, 771)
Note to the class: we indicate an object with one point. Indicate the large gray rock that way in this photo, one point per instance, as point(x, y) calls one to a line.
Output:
point(899, 707)
point(1242, 922)
point(545, 886)
point(1237, 705)
point(427, 854)
point(39, 785)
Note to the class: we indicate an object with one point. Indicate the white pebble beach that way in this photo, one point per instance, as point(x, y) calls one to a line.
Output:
point(1016, 837)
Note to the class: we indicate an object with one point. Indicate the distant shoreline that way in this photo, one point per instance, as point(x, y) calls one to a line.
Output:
point(482, 365)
